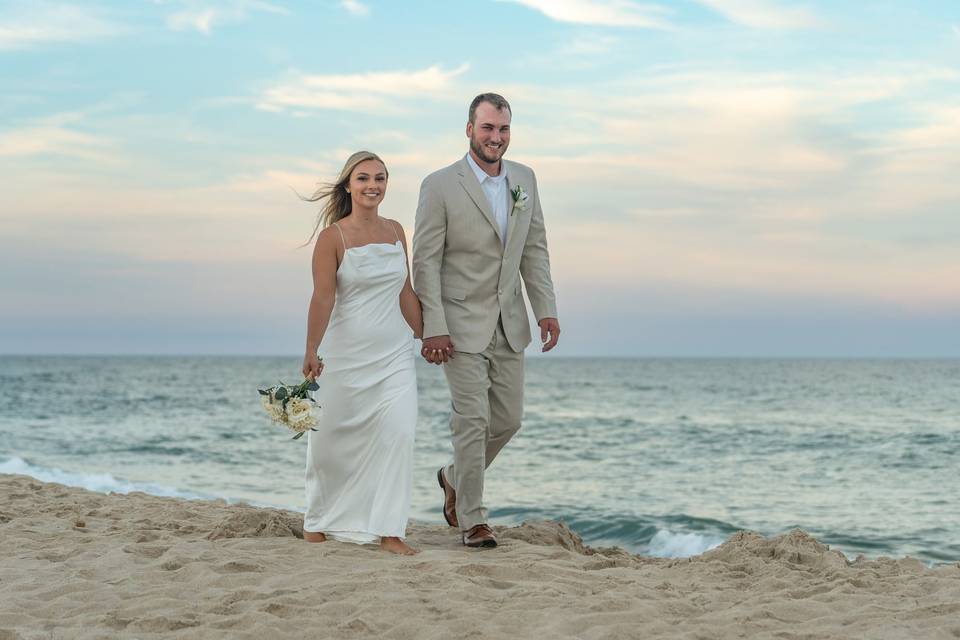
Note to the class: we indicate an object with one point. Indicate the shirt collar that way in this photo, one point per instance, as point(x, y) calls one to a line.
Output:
point(483, 175)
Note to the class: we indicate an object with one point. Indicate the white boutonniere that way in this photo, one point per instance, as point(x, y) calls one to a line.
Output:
point(519, 199)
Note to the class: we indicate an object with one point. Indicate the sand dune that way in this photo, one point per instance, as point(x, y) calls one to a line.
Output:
point(76, 564)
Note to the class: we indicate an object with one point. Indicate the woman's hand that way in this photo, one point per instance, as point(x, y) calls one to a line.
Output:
point(312, 366)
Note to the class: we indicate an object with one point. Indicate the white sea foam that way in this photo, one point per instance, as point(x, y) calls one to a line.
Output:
point(667, 544)
point(106, 483)
point(98, 482)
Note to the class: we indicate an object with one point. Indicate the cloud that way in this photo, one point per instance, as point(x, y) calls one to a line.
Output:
point(57, 135)
point(738, 133)
point(199, 19)
point(786, 182)
point(755, 261)
point(607, 13)
point(369, 92)
point(914, 167)
point(77, 133)
point(44, 23)
point(758, 14)
point(52, 140)
point(762, 14)
point(940, 131)
point(584, 51)
point(202, 16)
point(356, 8)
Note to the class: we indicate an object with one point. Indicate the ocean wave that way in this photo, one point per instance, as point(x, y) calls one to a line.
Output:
point(97, 482)
point(670, 544)
point(663, 536)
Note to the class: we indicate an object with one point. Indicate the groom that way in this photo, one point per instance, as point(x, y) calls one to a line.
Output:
point(479, 229)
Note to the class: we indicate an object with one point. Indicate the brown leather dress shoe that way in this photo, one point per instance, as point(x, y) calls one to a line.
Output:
point(449, 500)
point(479, 536)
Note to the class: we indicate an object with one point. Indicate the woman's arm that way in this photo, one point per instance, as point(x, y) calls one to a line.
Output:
point(409, 302)
point(324, 266)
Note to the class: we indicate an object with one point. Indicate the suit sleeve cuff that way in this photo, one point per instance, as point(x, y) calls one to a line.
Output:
point(434, 326)
point(544, 310)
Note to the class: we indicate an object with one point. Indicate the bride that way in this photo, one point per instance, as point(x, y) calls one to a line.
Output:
point(363, 317)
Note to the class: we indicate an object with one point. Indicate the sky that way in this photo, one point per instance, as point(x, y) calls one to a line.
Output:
point(755, 178)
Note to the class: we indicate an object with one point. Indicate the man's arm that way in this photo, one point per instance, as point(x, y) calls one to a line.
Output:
point(429, 239)
point(535, 264)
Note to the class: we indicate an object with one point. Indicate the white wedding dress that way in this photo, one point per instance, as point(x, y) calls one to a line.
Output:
point(360, 459)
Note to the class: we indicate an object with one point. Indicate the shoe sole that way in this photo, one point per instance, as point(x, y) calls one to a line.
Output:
point(486, 544)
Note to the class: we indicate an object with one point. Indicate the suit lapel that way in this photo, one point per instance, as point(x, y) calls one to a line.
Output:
point(468, 180)
point(512, 212)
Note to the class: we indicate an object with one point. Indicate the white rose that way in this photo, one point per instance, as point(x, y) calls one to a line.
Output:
point(299, 412)
point(274, 411)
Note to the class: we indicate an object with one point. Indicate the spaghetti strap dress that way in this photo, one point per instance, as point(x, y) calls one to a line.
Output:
point(359, 470)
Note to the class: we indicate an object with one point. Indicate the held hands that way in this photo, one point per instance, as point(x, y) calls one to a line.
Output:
point(437, 350)
point(549, 333)
point(312, 366)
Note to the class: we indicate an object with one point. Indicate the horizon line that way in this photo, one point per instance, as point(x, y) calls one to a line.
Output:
point(532, 355)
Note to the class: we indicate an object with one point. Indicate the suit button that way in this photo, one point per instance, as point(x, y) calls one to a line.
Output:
point(499, 292)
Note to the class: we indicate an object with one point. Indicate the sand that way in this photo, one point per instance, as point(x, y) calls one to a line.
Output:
point(76, 564)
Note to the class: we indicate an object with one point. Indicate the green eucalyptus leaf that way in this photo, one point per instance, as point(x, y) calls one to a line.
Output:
point(313, 386)
point(299, 435)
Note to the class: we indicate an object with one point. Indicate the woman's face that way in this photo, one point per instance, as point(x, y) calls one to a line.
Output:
point(368, 184)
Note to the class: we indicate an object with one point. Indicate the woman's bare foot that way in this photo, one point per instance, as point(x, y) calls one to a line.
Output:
point(314, 536)
point(396, 545)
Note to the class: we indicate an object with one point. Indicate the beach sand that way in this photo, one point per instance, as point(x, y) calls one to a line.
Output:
point(77, 564)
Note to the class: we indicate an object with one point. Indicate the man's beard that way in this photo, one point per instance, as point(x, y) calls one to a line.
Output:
point(482, 154)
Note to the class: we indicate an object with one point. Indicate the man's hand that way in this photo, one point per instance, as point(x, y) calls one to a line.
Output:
point(438, 349)
point(549, 333)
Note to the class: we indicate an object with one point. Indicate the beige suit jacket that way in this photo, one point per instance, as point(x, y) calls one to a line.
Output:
point(466, 279)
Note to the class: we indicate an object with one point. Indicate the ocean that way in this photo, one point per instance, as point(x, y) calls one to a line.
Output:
point(664, 457)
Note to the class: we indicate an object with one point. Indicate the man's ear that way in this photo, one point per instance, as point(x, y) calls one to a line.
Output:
point(469, 129)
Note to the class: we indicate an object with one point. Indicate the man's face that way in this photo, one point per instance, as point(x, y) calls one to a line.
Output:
point(490, 132)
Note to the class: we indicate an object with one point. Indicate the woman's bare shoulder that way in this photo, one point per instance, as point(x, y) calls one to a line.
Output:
point(328, 240)
point(396, 225)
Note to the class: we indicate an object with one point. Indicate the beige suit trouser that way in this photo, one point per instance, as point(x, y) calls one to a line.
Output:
point(486, 392)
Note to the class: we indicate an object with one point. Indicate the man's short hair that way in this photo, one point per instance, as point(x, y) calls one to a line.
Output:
point(495, 99)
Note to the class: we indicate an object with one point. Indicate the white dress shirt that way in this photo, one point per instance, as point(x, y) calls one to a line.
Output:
point(495, 188)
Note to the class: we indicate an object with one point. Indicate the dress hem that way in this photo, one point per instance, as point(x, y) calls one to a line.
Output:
point(334, 535)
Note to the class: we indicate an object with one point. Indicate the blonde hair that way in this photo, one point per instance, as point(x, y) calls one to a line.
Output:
point(339, 205)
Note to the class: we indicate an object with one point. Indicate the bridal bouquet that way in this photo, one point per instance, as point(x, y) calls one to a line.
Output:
point(291, 406)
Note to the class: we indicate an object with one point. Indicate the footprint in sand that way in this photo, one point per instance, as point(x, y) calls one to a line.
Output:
point(146, 551)
point(147, 537)
point(238, 567)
